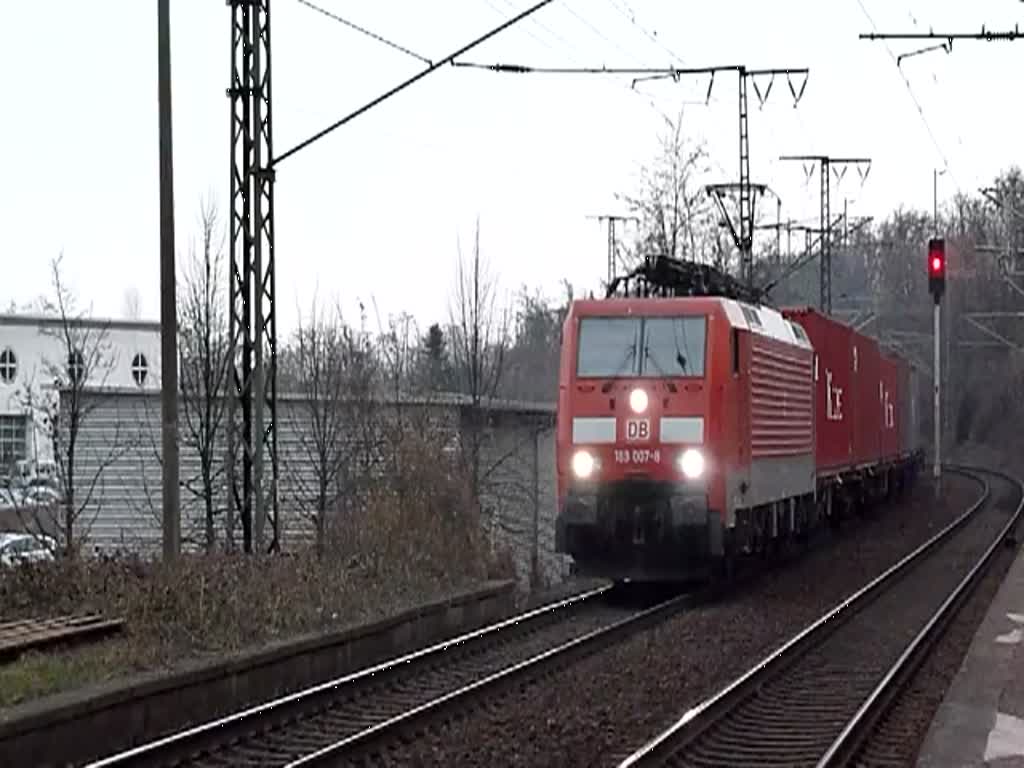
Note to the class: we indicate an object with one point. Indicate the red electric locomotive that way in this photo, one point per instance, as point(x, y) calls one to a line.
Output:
point(685, 433)
point(692, 429)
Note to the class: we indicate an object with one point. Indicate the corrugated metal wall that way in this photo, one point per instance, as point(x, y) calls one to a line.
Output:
point(781, 401)
point(118, 474)
point(520, 460)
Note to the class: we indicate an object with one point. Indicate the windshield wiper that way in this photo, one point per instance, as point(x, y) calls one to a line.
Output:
point(648, 357)
point(658, 369)
point(630, 357)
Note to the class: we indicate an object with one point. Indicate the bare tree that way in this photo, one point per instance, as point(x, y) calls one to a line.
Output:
point(677, 217)
point(84, 363)
point(479, 343)
point(532, 359)
point(394, 344)
point(327, 368)
point(204, 351)
point(406, 377)
point(397, 348)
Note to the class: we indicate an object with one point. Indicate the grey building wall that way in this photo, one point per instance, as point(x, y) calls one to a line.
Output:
point(118, 473)
point(519, 491)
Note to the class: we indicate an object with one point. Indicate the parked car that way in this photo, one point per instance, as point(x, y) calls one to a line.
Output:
point(18, 548)
point(40, 495)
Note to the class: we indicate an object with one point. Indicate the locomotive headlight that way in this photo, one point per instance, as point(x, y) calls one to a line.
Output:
point(582, 464)
point(691, 462)
point(638, 400)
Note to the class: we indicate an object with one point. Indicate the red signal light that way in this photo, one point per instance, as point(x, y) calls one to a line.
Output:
point(937, 267)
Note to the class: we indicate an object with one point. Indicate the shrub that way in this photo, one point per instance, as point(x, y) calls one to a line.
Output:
point(407, 544)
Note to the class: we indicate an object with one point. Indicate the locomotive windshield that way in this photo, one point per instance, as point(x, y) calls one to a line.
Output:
point(674, 346)
point(671, 346)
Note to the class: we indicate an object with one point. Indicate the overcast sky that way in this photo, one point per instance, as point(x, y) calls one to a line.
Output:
point(375, 209)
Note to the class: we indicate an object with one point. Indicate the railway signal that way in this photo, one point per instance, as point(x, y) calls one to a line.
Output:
point(937, 268)
point(937, 286)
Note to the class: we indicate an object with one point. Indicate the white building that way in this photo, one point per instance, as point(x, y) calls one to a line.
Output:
point(36, 351)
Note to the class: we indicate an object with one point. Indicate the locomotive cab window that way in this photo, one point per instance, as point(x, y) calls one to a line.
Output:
point(674, 346)
point(611, 347)
point(608, 347)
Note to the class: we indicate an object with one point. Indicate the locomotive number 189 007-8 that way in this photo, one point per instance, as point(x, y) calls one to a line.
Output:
point(637, 456)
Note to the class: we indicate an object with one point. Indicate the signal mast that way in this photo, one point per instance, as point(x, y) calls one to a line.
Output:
point(937, 286)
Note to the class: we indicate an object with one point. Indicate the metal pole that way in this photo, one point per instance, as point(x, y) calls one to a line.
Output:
point(259, 373)
point(611, 249)
point(846, 227)
point(935, 197)
point(535, 544)
point(168, 310)
point(778, 229)
point(937, 470)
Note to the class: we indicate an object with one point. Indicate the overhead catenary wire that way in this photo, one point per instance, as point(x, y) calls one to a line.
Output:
point(598, 32)
point(629, 14)
point(910, 90)
point(945, 46)
point(582, 20)
point(367, 32)
point(449, 59)
point(572, 50)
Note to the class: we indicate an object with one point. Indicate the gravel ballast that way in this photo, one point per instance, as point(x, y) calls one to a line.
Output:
point(898, 737)
point(598, 710)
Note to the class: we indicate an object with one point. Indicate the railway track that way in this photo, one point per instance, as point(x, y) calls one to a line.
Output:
point(819, 699)
point(359, 712)
point(17, 637)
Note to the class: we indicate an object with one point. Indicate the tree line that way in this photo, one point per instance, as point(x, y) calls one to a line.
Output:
point(486, 348)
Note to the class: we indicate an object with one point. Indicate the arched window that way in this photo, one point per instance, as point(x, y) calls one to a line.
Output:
point(8, 366)
point(76, 366)
point(140, 368)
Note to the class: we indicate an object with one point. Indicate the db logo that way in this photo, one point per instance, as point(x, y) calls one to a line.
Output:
point(638, 429)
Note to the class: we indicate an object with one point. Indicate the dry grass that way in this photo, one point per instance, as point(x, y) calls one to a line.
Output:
point(414, 544)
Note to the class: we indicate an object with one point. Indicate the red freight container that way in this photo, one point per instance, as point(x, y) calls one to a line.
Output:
point(888, 395)
point(834, 409)
point(867, 426)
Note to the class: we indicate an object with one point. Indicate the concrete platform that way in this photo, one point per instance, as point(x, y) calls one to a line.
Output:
point(981, 719)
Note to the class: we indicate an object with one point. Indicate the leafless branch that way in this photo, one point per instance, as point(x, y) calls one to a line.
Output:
point(205, 354)
point(86, 361)
point(480, 341)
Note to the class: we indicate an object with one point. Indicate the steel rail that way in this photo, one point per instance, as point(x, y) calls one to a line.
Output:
point(858, 730)
point(252, 714)
point(37, 634)
point(703, 716)
point(559, 654)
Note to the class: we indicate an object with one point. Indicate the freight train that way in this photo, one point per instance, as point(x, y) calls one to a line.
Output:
point(694, 430)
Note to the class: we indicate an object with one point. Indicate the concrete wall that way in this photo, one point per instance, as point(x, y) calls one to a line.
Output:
point(520, 491)
point(118, 474)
